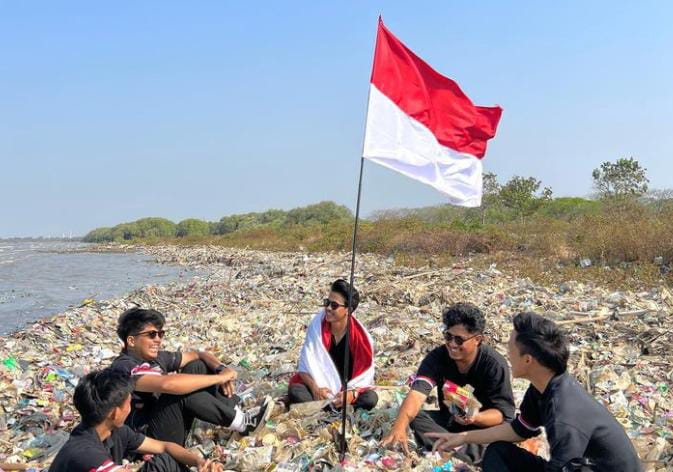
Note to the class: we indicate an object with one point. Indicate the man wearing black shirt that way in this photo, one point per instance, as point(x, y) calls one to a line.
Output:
point(463, 360)
point(322, 358)
point(579, 429)
point(102, 441)
point(165, 406)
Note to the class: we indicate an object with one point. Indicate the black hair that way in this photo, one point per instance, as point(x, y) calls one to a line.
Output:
point(134, 319)
point(99, 392)
point(466, 314)
point(341, 287)
point(542, 339)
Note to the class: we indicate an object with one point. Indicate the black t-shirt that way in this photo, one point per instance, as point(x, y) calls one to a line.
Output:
point(577, 426)
point(337, 352)
point(142, 402)
point(85, 452)
point(488, 374)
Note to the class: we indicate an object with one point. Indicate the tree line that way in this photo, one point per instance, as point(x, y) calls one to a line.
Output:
point(616, 184)
point(160, 228)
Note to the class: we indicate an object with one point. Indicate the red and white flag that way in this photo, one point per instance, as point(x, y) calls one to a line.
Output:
point(420, 123)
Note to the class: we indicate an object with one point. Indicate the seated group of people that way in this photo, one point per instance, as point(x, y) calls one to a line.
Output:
point(134, 407)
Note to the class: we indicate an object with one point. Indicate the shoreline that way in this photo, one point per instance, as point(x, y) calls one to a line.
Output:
point(250, 308)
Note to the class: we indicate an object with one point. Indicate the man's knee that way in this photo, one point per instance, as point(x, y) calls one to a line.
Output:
point(367, 400)
point(421, 421)
point(496, 455)
point(195, 367)
point(299, 393)
point(163, 463)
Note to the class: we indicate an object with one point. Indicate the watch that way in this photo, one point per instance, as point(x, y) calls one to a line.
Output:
point(220, 368)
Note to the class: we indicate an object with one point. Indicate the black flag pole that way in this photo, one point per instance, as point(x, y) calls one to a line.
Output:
point(343, 445)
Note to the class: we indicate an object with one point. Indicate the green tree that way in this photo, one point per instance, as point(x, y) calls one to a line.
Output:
point(323, 212)
point(155, 228)
point(518, 194)
point(192, 227)
point(99, 235)
point(125, 232)
point(490, 194)
point(621, 179)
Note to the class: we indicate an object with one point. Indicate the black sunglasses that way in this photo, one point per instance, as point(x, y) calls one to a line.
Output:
point(459, 340)
point(152, 334)
point(332, 304)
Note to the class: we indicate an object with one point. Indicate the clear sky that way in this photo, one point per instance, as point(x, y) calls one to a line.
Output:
point(112, 111)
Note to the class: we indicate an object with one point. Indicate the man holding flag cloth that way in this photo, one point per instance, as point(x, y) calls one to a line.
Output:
point(321, 362)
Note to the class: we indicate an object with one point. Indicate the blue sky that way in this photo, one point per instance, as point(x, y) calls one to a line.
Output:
point(112, 111)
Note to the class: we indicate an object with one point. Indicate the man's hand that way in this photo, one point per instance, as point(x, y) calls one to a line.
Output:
point(227, 375)
point(446, 441)
point(208, 466)
point(228, 389)
point(466, 420)
point(397, 436)
point(322, 393)
point(338, 399)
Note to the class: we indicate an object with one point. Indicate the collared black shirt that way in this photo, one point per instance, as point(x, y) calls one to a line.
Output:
point(143, 402)
point(488, 374)
point(337, 352)
point(85, 452)
point(577, 426)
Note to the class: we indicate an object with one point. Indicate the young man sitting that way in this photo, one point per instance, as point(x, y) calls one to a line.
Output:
point(579, 429)
point(165, 406)
point(102, 441)
point(321, 362)
point(463, 359)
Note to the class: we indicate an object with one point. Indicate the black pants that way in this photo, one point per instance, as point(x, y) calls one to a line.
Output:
point(172, 417)
point(300, 393)
point(507, 457)
point(163, 463)
point(438, 421)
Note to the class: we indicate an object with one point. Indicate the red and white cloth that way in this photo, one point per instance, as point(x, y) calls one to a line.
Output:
point(420, 124)
point(316, 361)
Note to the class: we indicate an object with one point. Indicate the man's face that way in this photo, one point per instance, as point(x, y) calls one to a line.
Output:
point(460, 343)
point(516, 359)
point(146, 343)
point(340, 312)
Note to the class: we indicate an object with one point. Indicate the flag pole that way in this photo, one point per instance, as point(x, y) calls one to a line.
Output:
point(343, 445)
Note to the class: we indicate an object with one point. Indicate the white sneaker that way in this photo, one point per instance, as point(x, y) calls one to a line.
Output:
point(254, 421)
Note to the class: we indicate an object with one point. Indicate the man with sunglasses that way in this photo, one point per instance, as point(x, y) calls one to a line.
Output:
point(165, 406)
point(321, 362)
point(463, 359)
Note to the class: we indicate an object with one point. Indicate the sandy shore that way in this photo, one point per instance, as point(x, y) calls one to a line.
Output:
point(251, 309)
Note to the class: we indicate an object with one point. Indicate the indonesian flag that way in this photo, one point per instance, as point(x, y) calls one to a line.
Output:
point(316, 361)
point(420, 124)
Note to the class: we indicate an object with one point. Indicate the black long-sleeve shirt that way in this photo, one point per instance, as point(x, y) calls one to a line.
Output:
point(577, 426)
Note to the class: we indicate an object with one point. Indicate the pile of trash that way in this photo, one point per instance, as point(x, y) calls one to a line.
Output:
point(251, 309)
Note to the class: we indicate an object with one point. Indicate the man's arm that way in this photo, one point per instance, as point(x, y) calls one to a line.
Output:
point(501, 432)
point(483, 419)
point(410, 407)
point(180, 384)
point(568, 443)
point(179, 453)
point(320, 393)
point(209, 359)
